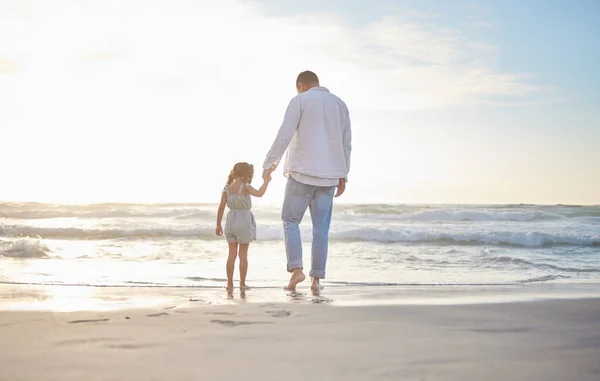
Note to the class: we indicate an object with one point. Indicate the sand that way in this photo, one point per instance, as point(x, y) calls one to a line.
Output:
point(305, 338)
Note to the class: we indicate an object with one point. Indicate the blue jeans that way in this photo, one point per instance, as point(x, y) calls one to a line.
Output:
point(299, 197)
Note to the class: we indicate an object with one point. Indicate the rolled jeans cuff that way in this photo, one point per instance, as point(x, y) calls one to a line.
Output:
point(319, 274)
point(294, 266)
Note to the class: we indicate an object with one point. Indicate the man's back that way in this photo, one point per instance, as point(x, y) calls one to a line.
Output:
point(321, 145)
point(316, 127)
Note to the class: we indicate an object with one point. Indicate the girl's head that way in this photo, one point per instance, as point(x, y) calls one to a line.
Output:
point(242, 171)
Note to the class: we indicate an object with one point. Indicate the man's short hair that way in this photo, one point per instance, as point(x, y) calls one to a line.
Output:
point(308, 78)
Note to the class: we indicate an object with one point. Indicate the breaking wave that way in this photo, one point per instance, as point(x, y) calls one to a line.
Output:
point(271, 233)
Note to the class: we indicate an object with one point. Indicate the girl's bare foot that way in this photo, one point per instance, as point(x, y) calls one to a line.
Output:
point(297, 277)
point(229, 287)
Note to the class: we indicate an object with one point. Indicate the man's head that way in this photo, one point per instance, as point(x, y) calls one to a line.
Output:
point(306, 80)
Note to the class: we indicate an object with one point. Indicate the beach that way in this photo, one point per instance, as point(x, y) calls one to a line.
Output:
point(271, 335)
point(433, 166)
point(413, 292)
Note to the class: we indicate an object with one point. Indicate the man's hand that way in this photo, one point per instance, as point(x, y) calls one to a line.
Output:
point(341, 187)
point(219, 231)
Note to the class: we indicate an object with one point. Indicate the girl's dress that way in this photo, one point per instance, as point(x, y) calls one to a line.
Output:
point(240, 225)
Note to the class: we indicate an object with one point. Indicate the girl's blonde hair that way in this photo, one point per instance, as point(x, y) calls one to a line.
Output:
point(241, 170)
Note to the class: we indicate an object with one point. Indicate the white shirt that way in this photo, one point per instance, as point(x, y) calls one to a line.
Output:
point(316, 129)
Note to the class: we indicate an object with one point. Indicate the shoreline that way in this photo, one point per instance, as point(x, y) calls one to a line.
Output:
point(72, 298)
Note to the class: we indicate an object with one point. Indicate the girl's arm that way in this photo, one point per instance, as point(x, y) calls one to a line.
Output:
point(219, 230)
point(260, 191)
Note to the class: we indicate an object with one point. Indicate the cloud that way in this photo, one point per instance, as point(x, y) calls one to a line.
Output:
point(169, 94)
point(394, 63)
point(177, 49)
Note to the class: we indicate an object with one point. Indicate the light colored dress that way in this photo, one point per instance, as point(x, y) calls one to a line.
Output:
point(240, 225)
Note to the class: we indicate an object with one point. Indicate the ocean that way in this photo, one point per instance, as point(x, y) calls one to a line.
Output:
point(174, 245)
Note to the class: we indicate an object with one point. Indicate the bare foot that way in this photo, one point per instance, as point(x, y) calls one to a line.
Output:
point(229, 287)
point(316, 285)
point(297, 277)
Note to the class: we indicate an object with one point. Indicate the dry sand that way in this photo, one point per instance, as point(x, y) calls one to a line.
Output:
point(305, 339)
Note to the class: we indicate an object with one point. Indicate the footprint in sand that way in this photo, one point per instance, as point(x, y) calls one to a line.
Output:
point(280, 313)
point(293, 295)
point(232, 323)
point(320, 301)
point(88, 341)
point(158, 314)
point(87, 321)
point(130, 346)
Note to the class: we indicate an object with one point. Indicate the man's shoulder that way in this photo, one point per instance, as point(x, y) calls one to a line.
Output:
point(342, 102)
point(331, 96)
point(322, 95)
point(339, 101)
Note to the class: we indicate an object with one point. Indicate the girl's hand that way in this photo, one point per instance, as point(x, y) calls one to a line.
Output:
point(219, 231)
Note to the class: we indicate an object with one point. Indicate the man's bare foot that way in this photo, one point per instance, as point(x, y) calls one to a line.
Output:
point(297, 277)
point(316, 285)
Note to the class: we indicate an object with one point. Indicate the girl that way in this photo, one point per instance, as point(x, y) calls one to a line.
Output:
point(240, 226)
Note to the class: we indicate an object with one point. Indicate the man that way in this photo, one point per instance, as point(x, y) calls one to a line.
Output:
point(316, 127)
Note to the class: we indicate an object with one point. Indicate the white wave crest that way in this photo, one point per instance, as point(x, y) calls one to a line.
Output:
point(442, 215)
point(23, 248)
point(104, 234)
point(531, 239)
point(467, 236)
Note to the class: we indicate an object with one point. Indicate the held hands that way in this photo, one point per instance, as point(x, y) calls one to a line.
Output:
point(219, 231)
point(266, 175)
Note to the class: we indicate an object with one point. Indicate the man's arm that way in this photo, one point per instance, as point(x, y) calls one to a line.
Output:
point(347, 144)
point(285, 134)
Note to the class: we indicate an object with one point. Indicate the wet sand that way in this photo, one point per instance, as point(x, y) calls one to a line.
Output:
point(298, 337)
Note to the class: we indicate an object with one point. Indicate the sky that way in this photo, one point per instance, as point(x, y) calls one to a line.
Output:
point(485, 102)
